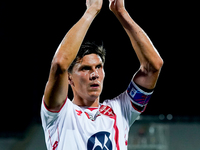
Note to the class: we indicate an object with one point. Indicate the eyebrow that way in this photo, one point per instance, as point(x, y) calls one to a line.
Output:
point(82, 66)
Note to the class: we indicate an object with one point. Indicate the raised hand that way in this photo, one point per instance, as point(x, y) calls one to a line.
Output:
point(116, 5)
point(95, 4)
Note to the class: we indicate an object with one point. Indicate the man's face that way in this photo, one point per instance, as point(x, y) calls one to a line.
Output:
point(87, 77)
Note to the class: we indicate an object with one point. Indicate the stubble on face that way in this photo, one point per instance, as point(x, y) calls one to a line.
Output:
point(87, 77)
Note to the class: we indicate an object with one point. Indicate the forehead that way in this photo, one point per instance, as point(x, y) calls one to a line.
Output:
point(91, 59)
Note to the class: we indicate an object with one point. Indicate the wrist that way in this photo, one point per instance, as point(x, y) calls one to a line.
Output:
point(120, 12)
point(92, 11)
point(89, 15)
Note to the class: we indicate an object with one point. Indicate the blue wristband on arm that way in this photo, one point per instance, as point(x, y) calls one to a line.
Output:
point(138, 96)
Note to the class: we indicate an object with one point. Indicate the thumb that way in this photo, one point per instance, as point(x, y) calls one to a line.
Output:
point(111, 1)
point(111, 4)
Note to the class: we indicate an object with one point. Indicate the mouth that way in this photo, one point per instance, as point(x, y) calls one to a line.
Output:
point(95, 85)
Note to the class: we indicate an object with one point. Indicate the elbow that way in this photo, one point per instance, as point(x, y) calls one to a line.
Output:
point(58, 66)
point(152, 67)
point(161, 63)
point(158, 64)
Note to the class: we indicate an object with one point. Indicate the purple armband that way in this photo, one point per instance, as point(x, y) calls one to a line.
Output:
point(138, 96)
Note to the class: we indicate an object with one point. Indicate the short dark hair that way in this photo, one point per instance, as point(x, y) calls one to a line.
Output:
point(86, 49)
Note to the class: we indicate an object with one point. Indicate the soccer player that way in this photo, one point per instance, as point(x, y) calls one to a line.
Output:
point(84, 123)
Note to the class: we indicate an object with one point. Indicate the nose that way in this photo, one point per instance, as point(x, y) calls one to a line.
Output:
point(94, 75)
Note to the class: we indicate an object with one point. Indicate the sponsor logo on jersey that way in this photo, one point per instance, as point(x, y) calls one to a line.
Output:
point(99, 141)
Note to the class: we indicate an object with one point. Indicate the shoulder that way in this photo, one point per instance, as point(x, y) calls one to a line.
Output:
point(49, 116)
point(118, 100)
point(44, 107)
point(121, 101)
point(123, 108)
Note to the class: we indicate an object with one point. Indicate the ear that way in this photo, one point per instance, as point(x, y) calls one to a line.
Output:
point(70, 79)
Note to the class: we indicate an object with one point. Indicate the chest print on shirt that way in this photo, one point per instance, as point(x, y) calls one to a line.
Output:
point(104, 109)
point(79, 112)
point(100, 141)
point(91, 117)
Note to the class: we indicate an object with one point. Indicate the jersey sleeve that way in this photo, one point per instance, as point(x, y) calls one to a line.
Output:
point(49, 117)
point(122, 108)
point(128, 101)
point(52, 122)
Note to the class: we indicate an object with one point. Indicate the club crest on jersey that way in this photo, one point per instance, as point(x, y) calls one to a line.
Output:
point(106, 110)
point(99, 141)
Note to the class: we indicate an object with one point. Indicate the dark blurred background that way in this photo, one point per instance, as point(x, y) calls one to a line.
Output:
point(30, 33)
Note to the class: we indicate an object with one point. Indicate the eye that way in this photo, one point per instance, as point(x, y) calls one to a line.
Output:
point(85, 68)
point(99, 66)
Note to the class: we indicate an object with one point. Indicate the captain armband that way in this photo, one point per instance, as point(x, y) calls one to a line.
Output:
point(138, 96)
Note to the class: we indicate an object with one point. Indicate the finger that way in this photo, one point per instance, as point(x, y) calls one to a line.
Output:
point(111, 3)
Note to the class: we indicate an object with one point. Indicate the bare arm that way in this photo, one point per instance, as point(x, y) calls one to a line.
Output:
point(150, 60)
point(57, 86)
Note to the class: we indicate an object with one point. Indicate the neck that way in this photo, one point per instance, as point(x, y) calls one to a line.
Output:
point(90, 102)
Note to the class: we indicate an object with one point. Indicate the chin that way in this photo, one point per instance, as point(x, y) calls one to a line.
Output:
point(94, 95)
